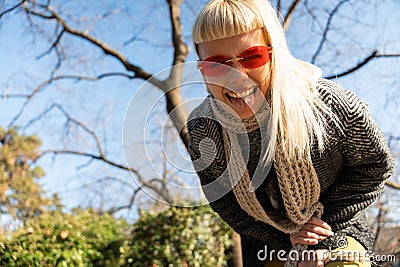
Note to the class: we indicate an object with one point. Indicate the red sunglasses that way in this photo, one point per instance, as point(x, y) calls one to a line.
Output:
point(251, 58)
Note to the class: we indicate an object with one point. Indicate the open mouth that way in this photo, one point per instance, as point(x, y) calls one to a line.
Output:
point(244, 101)
point(231, 95)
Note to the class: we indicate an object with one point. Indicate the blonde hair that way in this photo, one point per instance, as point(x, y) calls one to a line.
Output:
point(297, 111)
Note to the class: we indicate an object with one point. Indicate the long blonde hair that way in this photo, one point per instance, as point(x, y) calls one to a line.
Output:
point(298, 113)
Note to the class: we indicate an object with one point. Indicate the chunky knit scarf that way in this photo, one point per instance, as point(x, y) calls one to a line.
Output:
point(297, 179)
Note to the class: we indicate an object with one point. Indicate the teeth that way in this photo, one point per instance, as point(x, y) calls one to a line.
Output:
point(241, 95)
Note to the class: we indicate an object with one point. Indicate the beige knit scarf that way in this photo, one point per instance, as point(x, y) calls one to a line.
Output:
point(297, 179)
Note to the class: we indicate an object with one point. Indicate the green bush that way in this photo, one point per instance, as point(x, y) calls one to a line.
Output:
point(81, 238)
point(180, 237)
point(175, 237)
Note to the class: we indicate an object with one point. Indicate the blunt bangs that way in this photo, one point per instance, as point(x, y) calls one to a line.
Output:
point(224, 19)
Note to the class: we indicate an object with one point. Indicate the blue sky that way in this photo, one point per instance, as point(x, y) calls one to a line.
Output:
point(102, 105)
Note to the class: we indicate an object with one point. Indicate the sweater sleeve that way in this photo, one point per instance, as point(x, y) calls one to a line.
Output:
point(367, 161)
point(225, 204)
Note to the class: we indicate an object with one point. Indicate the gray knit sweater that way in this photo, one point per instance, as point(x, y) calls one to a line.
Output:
point(351, 170)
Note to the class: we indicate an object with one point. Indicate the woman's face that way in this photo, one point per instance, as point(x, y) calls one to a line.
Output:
point(242, 89)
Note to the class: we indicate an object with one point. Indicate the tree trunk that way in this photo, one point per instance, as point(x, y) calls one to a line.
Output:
point(237, 258)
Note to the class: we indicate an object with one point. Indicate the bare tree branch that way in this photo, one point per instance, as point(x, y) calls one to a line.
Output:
point(175, 108)
point(326, 30)
point(12, 8)
point(170, 86)
point(139, 72)
point(278, 6)
point(180, 48)
point(392, 138)
point(380, 221)
point(8, 96)
point(289, 14)
point(84, 127)
point(159, 191)
point(98, 181)
point(96, 78)
point(108, 179)
point(28, 98)
point(135, 37)
point(70, 119)
point(374, 55)
point(48, 82)
point(393, 185)
point(312, 14)
point(108, 13)
point(127, 206)
point(53, 46)
point(173, 96)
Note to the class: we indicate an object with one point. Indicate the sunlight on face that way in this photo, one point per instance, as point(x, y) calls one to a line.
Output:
point(242, 89)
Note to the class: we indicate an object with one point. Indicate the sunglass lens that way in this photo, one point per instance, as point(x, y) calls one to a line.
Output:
point(213, 68)
point(251, 58)
point(255, 57)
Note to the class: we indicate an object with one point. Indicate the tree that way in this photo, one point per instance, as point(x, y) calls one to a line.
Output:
point(339, 30)
point(20, 194)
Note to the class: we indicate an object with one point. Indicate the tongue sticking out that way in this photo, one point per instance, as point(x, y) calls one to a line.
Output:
point(238, 104)
point(243, 104)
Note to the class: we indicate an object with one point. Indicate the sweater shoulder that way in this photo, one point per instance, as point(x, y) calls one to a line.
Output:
point(344, 103)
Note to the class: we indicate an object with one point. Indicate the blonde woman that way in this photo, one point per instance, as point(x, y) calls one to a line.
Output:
point(287, 158)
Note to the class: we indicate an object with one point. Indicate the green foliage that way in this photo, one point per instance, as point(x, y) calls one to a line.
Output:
point(20, 194)
point(180, 237)
point(175, 237)
point(47, 236)
point(81, 238)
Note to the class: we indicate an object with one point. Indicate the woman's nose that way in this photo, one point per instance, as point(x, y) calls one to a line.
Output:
point(237, 73)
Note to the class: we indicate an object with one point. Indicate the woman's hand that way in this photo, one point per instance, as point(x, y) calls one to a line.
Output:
point(312, 232)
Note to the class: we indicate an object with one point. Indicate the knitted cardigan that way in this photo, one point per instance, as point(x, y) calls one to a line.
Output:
point(351, 171)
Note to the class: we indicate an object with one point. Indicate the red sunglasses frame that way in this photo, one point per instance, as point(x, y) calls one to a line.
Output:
point(251, 58)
